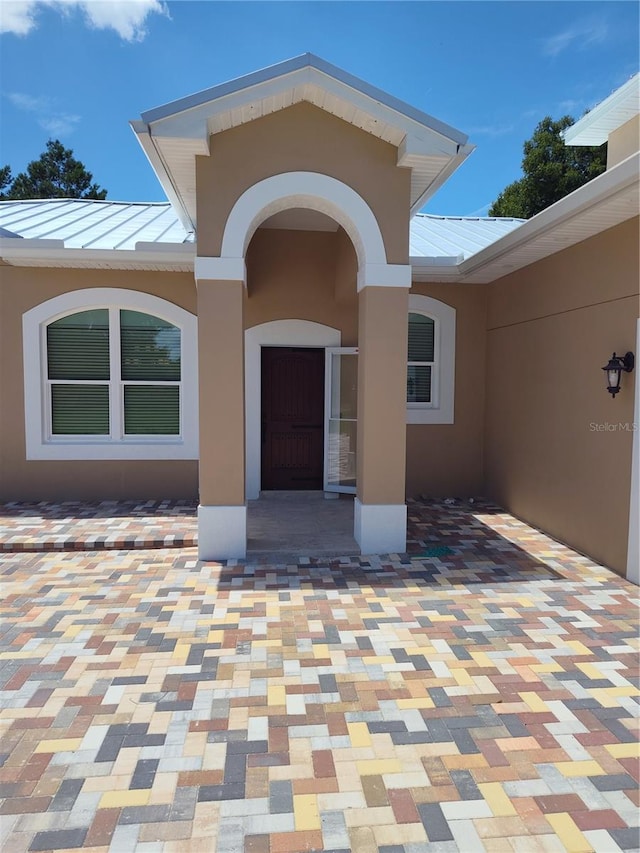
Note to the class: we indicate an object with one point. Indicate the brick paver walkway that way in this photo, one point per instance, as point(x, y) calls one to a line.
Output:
point(477, 694)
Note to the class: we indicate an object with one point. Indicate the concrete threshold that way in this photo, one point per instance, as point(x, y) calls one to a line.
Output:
point(287, 526)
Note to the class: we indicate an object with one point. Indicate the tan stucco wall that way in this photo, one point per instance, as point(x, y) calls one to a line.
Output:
point(21, 290)
point(302, 275)
point(446, 460)
point(623, 142)
point(302, 138)
point(550, 457)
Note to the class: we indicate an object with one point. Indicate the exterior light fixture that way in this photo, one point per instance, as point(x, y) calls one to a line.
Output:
point(618, 363)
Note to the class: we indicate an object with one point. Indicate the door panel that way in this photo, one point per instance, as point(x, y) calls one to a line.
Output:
point(292, 418)
point(341, 419)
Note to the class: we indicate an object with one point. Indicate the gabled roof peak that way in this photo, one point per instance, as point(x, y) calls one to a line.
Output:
point(289, 66)
point(174, 134)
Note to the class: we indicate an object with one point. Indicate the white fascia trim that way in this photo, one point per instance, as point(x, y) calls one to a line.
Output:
point(304, 189)
point(39, 255)
point(443, 176)
point(222, 532)
point(28, 243)
point(607, 184)
point(384, 275)
point(278, 333)
point(143, 134)
point(380, 528)
point(633, 545)
point(607, 116)
point(220, 269)
point(443, 409)
point(33, 322)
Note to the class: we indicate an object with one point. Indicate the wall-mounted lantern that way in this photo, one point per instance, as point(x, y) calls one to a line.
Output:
point(618, 363)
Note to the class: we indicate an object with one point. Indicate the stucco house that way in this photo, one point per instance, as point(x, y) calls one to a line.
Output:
point(289, 320)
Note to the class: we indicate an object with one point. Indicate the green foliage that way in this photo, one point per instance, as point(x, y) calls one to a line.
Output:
point(56, 174)
point(5, 180)
point(551, 170)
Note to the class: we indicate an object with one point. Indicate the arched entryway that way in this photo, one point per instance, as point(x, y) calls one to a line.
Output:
point(227, 464)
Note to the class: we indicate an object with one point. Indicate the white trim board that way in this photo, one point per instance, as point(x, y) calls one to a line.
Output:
point(277, 333)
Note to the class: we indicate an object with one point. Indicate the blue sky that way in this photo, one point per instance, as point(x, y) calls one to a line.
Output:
point(79, 71)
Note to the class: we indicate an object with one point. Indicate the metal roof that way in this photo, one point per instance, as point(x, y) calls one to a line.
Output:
point(455, 236)
point(607, 116)
point(88, 224)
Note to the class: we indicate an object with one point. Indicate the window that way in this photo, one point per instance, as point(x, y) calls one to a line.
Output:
point(421, 369)
point(110, 380)
point(431, 361)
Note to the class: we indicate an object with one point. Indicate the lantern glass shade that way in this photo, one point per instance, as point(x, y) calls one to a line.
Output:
point(618, 363)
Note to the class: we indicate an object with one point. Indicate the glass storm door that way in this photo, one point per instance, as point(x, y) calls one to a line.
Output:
point(341, 419)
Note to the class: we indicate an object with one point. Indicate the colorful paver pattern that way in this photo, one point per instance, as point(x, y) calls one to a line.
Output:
point(483, 697)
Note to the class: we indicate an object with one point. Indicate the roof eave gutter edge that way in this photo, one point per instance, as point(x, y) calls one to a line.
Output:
point(586, 196)
point(150, 257)
point(453, 165)
point(144, 136)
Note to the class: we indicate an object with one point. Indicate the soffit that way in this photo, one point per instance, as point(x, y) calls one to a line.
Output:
point(174, 134)
point(610, 114)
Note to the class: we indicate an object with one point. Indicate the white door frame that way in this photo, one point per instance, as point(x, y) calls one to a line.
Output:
point(277, 333)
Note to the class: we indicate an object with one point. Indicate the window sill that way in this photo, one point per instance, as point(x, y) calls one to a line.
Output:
point(130, 450)
point(429, 416)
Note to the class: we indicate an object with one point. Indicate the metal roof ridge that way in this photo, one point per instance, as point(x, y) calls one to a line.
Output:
point(289, 66)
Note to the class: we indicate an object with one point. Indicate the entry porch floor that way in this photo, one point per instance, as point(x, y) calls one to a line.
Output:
point(478, 693)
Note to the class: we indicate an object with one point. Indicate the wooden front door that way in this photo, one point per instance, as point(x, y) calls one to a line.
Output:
point(292, 418)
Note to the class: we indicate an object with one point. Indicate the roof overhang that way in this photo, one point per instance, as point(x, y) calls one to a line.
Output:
point(594, 127)
point(172, 135)
point(606, 201)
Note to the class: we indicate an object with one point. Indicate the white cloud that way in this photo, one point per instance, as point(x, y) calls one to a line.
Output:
point(126, 17)
point(581, 34)
point(17, 17)
point(56, 122)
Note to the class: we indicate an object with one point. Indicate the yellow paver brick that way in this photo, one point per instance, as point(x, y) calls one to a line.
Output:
point(534, 702)
point(122, 799)
point(376, 767)
point(306, 814)
point(359, 734)
point(276, 694)
point(623, 750)
point(63, 744)
point(498, 801)
point(580, 768)
point(568, 833)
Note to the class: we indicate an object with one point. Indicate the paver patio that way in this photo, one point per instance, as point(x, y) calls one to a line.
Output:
point(479, 693)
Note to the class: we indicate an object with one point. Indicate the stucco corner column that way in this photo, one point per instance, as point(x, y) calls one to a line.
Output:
point(380, 517)
point(222, 512)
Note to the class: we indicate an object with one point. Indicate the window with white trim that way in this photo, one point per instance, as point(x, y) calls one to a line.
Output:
point(430, 361)
point(112, 375)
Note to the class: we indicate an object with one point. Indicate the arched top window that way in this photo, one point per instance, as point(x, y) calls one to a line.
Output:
point(430, 361)
point(113, 378)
